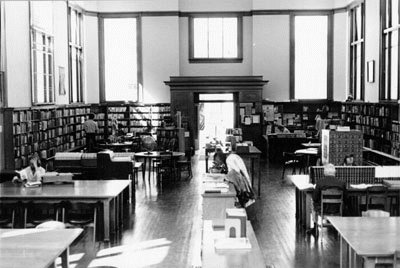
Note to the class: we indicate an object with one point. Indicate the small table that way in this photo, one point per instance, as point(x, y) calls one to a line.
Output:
point(117, 146)
point(229, 258)
point(35, 248)
point(108, 192)
point(154, 155)
point(374, 239)
point(254, 154)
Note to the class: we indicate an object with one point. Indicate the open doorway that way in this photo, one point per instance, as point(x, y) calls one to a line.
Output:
point(216, 114)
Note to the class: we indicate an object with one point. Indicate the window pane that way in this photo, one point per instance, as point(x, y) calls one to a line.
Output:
point(395, 12)
point(40, 87)
point(215, 37)
point(73, 75)
point(200, 37)
point(311, 38)
point(387, 17)
point(358, 72)
point(393, 72)
point(358, 23)
point(230, 38)
point(387, 73)
point(73, 27)
point(120, 59)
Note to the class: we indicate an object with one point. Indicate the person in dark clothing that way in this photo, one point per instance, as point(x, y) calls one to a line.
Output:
point(219, 163)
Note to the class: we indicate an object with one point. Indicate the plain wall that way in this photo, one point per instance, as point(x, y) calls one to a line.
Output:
point(271, 54)
point(18, 70)
point(340, 52)
point(160, 50)
point(372, 40)
point(202, 69)
point(91, 59)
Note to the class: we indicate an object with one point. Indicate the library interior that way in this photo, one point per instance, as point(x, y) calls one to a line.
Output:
point(213, 133)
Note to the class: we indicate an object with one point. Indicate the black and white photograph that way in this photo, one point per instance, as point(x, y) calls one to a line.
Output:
point(199, 133)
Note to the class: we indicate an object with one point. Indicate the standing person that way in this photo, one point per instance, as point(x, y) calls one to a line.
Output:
point(321, 120)
point(91, 128)
point(32, 173)
point(239, 177)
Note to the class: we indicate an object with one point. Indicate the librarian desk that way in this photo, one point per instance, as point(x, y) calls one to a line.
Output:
point(253, 154)
point(229, 257)
point(304, 190)
point(214, 205)
point(374, 239)
point(35, 248)
point(108, 192)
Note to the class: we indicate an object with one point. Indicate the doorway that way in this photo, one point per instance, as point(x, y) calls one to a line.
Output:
point(216, 114)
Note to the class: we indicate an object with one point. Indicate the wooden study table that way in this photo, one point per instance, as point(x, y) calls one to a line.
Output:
point(154, 155)
point(215, 204)
point(35, 248)
point(373, 239)
point(254, 154)
point(304, 190)
point(229, 258)
point(107, 192)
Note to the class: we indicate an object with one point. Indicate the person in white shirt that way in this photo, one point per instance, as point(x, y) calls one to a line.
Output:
point(32, 173)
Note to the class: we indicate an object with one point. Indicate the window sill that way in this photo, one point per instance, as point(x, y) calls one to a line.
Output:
point(215, 60)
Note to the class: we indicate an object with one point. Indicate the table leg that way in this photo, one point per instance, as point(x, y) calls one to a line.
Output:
point(307, 210)
point(206, 161)
point(259, 175)
point(113, 215)
point(106, 219)
point(64, 258)
point(344, 251)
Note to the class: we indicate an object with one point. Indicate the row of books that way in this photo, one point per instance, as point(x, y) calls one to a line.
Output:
point(367, 109)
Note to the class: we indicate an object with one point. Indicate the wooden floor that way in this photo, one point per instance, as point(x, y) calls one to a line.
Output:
point(164, 230)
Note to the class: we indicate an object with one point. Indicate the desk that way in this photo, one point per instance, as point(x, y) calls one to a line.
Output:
point(253, 154)
point(229, 258)
point(35, 248)
point(311, 145)
point(117, 146)
point(374, 239)
point(107, 192)
point(304, 190)
point(215, 204)
point(154, 155)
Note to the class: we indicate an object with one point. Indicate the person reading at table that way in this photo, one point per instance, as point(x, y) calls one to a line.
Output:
point(32, 173)
point(239, 177)
point(328, 182)
point(348, 160)
point(91, 128)
point(219, 163)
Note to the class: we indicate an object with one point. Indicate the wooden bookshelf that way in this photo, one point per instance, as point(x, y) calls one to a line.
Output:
point(379, 123)
point(44, 130)
point(164, 136)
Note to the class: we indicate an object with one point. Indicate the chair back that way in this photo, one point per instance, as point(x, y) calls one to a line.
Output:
point(377, 193)
point(375, 213)
point(332, 197)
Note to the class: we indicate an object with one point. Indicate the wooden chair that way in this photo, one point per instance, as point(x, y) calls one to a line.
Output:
point(7, 215)
point(185, 163)
point(375, 213)
point(38, 213)
point(81, 214)
point(292, 160)
point(165, 167)
point(377, 193)
point(331, 205)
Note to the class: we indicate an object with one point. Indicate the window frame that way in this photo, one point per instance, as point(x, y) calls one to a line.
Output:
point(385, 90)
point(138, 17)
point(78, 47)
point(329, 80)
point(237, 59)
point(353, 43)
point(33, 29)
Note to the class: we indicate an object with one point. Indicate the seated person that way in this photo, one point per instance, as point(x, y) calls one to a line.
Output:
point(239, 177)
point(120, 131)
point(32, 173)
point(281, 129)
point(219, 163)
point(348, 160)
point(329, 181)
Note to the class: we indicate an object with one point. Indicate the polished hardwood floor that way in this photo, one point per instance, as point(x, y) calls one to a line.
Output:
point(164, 230)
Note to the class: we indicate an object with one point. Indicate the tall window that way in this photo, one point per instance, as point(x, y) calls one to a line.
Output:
point(310, 56)
point(390, 46)
point(75, 55)
point(356, 17)
point(42, 54)
point(215, 39)
point(121, 72)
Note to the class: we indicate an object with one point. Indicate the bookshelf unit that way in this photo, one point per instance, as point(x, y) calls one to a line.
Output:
point(164, 135)
point(379, 122)
point(44, 130)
